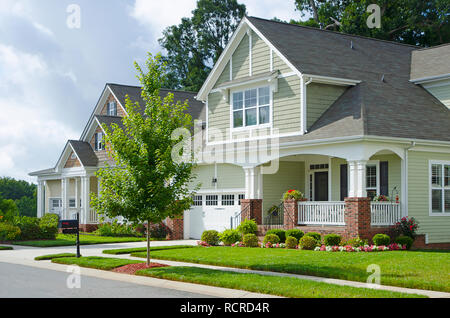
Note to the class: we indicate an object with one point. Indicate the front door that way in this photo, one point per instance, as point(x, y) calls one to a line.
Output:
point(321, 186)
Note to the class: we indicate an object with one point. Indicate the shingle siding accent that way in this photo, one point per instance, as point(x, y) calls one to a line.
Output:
point(72, 163)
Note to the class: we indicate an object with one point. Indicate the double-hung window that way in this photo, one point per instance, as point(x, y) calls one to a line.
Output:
point(371, 181)
point(440, 187)
point(112, 109)
point(99, 145)
point(251, 107)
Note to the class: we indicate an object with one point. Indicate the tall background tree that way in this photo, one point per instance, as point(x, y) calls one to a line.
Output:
point(196, 43)
point(146, 184)
point(417, 22)
point(21, 193)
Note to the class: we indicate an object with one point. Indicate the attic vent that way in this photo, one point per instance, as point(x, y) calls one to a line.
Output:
point(351, 45)
point(382, 78)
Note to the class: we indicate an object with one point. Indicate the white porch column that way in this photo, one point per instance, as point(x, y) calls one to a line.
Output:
point(77, 198)
point(253, 183)
point(85, 199)
point(40, 199)
point(64, 198)
point(357, 179)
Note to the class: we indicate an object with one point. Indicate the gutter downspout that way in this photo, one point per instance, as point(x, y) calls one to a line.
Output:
point(407, 149)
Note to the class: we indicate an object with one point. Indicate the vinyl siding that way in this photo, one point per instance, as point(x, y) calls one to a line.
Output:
point(319, 97)
point(286, 105)
point(442, 93)
point(228, 177)
point(241, 59)
point(260, 55)
point(290, 175)
point(437, 227)
point(278, 64)
point(224, 77)
point(218, 117)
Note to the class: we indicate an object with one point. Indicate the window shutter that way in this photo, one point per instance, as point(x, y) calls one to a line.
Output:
point(108, 108)
point(384, 177)
point(114, 109)
point(344, 182)
point(96, 142)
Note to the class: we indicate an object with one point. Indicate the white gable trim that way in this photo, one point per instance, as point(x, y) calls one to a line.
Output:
point(227, 53)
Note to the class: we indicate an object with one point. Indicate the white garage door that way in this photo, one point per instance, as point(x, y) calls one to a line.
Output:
point(213, 212)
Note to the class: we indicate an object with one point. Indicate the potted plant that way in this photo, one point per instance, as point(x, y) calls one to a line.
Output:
point(293, 195)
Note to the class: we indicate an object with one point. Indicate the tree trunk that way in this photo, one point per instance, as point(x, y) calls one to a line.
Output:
point(148, 243)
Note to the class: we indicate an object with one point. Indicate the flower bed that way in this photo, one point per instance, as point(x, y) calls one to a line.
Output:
point(365, 248)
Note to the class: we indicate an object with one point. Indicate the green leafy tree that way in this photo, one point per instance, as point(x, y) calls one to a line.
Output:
point(8, 210)
point(414, 22)
point(147, 183)
point(196, 43)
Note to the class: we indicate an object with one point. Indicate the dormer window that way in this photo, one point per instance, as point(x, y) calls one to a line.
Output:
point(99, 145)
point(251, 107)
point(112, 109)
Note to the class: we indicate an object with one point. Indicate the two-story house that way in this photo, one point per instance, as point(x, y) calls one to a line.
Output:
point(339, 117)
point(347, 116)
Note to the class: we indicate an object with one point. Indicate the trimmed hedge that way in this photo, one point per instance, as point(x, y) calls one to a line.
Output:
point(49, 226)
point(291, 242)
point(298, 234)
point(315, 235)
point(271, 238)
point(405, 240)
point(307, 242)
point(250, 240)
point(381, 239)
point(248, 227)
point(211, 237)
point(278, 232)
point(332, 239)
point(229, 237)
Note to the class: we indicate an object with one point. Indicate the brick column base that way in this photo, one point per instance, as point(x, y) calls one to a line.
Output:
point(175, 228)
point(251, 209)
point(290, 214)
point(357, 218)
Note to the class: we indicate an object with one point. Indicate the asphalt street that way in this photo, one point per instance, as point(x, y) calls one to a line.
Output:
point(19, 281)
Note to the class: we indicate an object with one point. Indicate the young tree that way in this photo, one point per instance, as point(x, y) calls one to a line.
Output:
point(147, 183)
point(196, 43)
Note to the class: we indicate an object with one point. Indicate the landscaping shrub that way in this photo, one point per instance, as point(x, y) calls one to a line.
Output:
point(156, 231)
point(29, 228)
point(291, 242)
point(229, 237)
point(404, 240)
point(381, 239)
point(407, 227)
point(332, 239)
point(315, 235)
point(48, 225)
point(355, 242)
point(279, 232)
point(271, 238)
point(211, 237)
point(9, 232)
point(117, 229)
point(298, 234)
point(307, 242)
point(250, 240)
point(248, 227)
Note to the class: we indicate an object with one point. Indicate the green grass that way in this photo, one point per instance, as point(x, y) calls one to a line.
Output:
point(411, 269)
point(5, 248)
point(69, 240)
point(273, 285)
point(52, 256)
point(104, 263)
point(143, 249)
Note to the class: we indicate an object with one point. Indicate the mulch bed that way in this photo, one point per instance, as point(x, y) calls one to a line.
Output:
point(132, 268)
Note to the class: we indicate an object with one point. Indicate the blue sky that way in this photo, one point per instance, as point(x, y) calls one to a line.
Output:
point(51, 75)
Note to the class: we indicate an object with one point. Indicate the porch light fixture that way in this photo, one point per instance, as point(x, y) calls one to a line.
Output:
point(214, 180)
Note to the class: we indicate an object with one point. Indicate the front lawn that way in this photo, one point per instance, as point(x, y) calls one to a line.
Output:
point(69, 240)
point(120, 251)
point(5, 248)
point(52, 256)
point(273, 285)
point(411, 269)
point(104, 263)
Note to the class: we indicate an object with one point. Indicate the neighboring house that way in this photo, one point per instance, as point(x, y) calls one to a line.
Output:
point(352, 117)
point(66, 188)
point(346, 118)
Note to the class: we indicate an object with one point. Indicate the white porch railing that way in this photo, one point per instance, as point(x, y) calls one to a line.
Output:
point(323, 213)
point(385, 213)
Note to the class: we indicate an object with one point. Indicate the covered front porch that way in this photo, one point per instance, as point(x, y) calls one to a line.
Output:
point(338, 191)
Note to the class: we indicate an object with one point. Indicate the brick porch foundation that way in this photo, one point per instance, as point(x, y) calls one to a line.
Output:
point(251, 210)
point(175, 228)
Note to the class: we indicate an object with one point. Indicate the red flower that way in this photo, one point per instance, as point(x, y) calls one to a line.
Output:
point(291, 191)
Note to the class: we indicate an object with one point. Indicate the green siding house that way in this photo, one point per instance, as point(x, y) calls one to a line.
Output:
point(332, 115)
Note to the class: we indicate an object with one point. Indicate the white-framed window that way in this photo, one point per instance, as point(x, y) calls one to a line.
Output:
point(99, 145)
point(112, 109)
point(197, 200)
point(371, 180)
point(439, 187)
point(227, 199)
point(212, 200)
point(55, 205)
point(73, 156)
point(251, 107)
point(72, 203)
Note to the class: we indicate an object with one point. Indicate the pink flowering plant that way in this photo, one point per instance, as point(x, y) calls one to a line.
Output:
point(365, 248)
point(407, 226)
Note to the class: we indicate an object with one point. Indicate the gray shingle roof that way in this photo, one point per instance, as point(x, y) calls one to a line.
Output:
point(196, 108)
point(84, 152)
point(430, 62)
point(394, 107)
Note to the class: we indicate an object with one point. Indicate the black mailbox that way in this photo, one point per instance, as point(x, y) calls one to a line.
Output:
point(68, 224)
